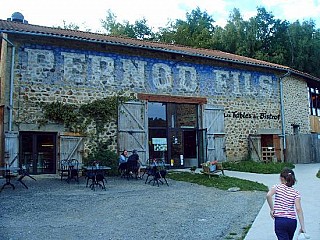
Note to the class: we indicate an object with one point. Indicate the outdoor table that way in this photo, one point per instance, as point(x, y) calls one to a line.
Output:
point(95, 176)
point(157, 171)
point(24, 172)
point(8, 175)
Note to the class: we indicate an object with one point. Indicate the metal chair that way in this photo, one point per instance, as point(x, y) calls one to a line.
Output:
point(73, 170)
point(158, 173)
point(132, 170)
point(64, 169)
point(122, 169)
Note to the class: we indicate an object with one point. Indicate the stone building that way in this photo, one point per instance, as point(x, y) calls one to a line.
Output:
point(192, 105)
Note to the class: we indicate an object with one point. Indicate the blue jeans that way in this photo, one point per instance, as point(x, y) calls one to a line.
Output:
point(285, 228)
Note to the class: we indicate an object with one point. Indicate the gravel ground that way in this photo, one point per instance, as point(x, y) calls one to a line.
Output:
point(54, 209)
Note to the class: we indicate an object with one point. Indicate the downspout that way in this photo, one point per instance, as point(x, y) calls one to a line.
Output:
point(283, 124)
point(11, 84)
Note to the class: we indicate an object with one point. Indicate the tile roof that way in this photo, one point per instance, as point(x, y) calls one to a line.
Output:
point(22, 28)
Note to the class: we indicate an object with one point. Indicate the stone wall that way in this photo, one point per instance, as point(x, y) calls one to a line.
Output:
point(296, 105)
point(245, 116)
point(60, 73)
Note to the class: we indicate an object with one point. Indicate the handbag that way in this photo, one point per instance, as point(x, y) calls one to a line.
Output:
point(303, 236)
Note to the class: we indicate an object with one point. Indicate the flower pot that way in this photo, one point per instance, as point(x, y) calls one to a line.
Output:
point(206, 169)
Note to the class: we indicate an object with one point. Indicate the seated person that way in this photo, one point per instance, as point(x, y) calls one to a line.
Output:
point(123, 157)
point(134, 161)
point(123, 163)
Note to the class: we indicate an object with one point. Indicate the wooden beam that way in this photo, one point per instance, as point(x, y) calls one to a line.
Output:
point(171, 99)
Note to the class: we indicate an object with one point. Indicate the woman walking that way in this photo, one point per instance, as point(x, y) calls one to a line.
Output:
point(286, 206)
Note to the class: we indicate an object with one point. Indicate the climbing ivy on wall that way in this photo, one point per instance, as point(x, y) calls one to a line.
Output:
point(77, 118)
point(63, 113)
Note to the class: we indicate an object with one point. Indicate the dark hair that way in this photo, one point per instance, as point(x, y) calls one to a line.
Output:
point(123, 152)
point(288, 175)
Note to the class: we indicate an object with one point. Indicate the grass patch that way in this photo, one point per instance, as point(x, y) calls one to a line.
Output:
point(245, 231)
point(232, 234)
point(220, 182)
point(256, 167)
point(229, 237)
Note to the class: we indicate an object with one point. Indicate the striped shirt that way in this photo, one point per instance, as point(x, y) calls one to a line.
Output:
point(284, 201)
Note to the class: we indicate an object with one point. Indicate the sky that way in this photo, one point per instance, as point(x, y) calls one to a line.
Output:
point(87, 14)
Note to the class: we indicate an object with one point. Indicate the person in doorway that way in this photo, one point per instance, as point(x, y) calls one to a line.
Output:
point(286, 206)
point(134, 163)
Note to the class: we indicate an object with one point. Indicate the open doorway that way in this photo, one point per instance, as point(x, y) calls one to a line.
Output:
point(38, 152)
point(172, 133)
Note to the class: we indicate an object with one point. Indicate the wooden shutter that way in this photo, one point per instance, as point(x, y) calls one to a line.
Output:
point(213, 121)
point(71, 147)
point(11, 148)
point(132, 128)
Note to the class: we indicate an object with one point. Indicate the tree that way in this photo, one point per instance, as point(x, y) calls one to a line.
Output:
point(138, 30)
point(231, 37)
point(262, 36)
point(196, 31)
point(73, 26)
point(305, 47)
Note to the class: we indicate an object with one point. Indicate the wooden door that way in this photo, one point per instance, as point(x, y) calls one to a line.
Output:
point(213, 121)
point(132, 128)
point(71, 147)
point(11, 149)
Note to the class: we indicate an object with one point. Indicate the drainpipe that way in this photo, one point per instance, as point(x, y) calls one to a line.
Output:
point(283, 124)
point(11, 84)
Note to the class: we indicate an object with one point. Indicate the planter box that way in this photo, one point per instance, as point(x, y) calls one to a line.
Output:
point(212, 168)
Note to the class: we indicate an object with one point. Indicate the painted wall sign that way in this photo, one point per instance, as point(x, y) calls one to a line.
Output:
point(246, 115)
point(89, 69)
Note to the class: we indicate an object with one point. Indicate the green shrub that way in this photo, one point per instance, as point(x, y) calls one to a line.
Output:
point(318, 174)
point(101, 153)
point(256, 167)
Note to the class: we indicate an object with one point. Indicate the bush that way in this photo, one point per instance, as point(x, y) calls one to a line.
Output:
point(104, 156)
point(256, 167)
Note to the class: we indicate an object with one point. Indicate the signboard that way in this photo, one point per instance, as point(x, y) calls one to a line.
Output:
point(160, 144)
point(162, 141)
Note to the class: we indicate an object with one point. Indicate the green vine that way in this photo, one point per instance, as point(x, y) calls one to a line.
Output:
point(77, 118)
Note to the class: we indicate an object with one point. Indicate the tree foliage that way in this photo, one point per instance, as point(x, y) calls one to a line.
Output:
point(196, 31)
point(139, 29)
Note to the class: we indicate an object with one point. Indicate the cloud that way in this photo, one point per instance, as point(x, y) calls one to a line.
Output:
point(293, 10)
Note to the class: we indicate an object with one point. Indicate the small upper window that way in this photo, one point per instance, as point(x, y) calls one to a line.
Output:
point(157, 114)
point(314, 101)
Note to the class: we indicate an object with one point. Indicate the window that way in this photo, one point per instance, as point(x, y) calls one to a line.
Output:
point(314, 101)
point(157, 114)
